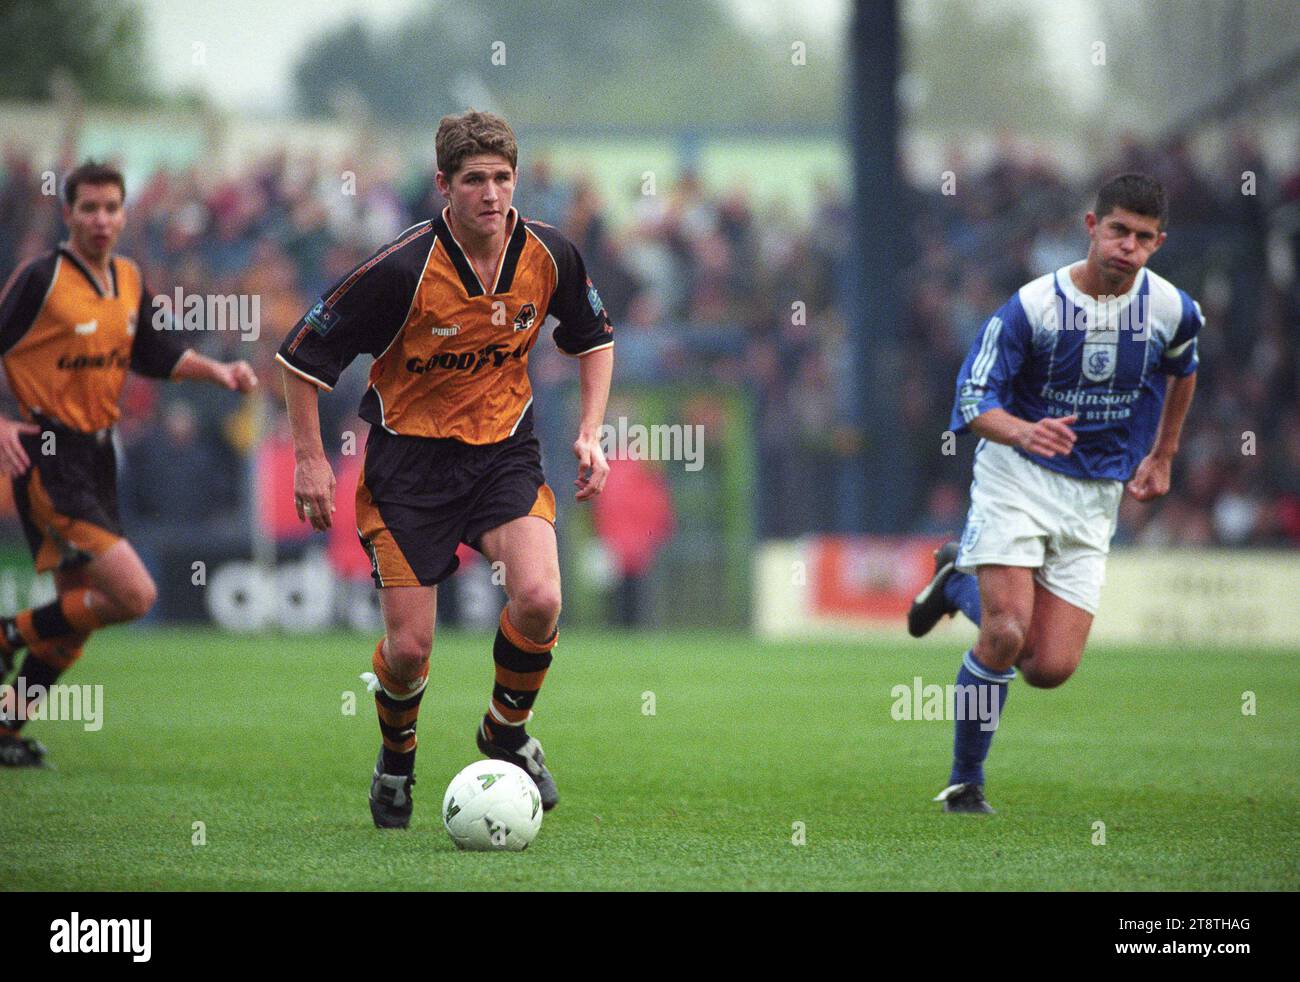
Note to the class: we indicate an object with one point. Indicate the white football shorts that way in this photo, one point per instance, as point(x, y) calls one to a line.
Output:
point(1022, 514)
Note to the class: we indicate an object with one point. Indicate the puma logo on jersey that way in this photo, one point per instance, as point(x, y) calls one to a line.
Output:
point(89, 327)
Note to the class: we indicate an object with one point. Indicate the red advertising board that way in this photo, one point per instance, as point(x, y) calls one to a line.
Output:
point(865, 577)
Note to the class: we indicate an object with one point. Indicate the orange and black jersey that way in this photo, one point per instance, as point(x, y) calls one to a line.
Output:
point(67, 344)
point(451, 353)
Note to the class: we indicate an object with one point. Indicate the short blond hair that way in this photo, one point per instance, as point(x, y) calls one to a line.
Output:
point(472, 133)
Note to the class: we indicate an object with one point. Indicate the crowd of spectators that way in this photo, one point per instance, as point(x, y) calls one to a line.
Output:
point(1234, 235)
point(705, 284)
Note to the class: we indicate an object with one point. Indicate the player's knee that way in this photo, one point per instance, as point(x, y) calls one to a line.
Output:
point(538, 604)
point(1004, 634)
point(1044, 678)
point(407, 653)
point(137, 599)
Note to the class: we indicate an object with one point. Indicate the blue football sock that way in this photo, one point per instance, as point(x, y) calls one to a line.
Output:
point(974, 734)
point(963, 592)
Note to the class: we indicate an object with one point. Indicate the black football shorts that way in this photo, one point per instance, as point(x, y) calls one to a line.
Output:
point(67, 500)
point(419, 498)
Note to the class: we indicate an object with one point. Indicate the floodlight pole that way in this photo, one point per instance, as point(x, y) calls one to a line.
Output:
point(874, 489)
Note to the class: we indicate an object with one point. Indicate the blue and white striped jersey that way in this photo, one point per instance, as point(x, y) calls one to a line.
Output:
point(1053, 351)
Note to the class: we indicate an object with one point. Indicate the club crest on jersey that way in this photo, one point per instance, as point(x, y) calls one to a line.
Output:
point(1099, 361)
point(525, 318)
point(321, 318)
point(593, 298)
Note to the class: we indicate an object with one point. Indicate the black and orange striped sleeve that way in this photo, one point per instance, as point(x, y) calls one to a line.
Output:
point(584, 323)
point(23, 297)
point(361, 313)
point(154, 351)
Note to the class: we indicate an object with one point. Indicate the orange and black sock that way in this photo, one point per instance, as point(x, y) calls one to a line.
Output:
point(398, 704)
point(71, 613)
point(521, 666)
point(42, 667)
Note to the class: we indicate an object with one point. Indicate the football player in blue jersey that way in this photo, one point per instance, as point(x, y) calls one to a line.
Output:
point(1077, 386)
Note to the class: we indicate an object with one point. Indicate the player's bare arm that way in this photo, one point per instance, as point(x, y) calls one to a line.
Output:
point(313, 478)
point(594, 374)
point(14, 461)
point(237, 376)
point(1046, 438)
point(1152, 478)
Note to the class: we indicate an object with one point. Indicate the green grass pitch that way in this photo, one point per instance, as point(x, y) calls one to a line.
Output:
point(248, 736)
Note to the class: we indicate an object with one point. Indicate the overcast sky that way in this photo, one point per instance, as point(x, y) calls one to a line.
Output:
point(251, 46)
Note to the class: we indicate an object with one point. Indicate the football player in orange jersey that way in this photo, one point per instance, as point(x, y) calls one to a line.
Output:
point(72, 323)
point(450, 310)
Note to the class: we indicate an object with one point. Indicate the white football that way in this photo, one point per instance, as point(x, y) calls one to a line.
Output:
point(492, 805)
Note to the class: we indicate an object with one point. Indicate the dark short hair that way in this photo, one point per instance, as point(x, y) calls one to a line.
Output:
point(472, 133)
point(1137, 193)
point(93, 173)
